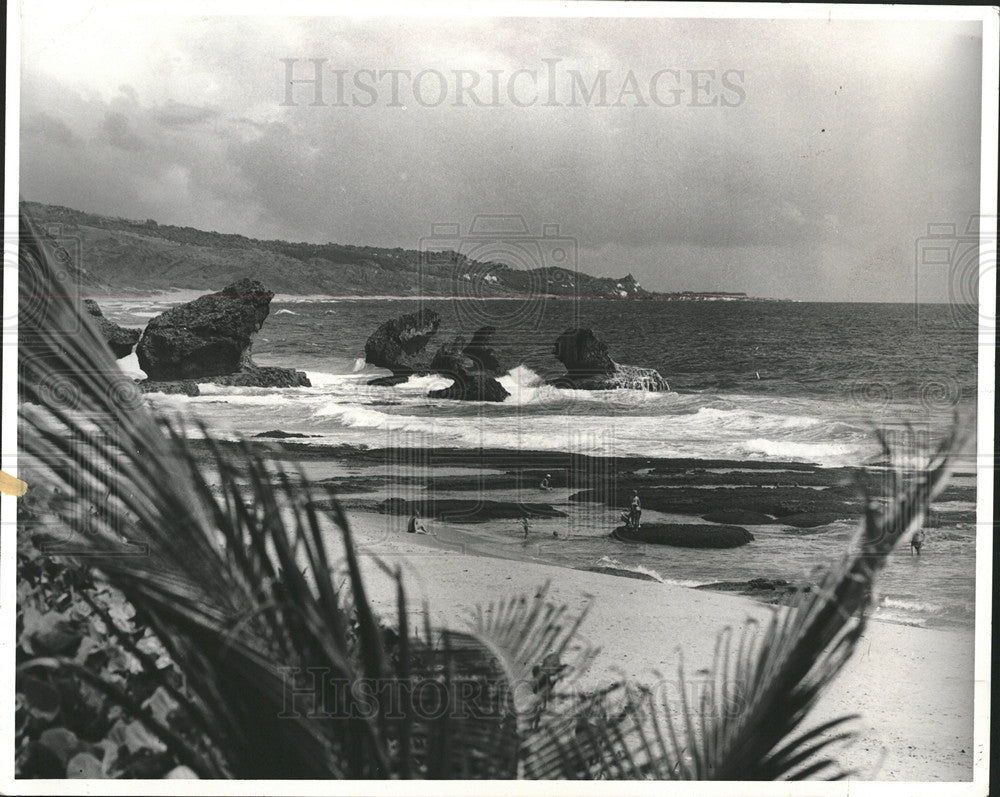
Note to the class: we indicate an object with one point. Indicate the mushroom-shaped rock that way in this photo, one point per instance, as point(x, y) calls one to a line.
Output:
point(589, 365)
point(209, 336)
point(466, 365)
point(482, 354)
point(209, 340)
point(399, 343)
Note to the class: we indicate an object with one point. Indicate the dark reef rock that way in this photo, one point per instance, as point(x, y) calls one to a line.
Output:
point(390, 381)
point(399, 343)
point(457, 510)
point(768, 590)
point(279, 434)
point(685, 535)
point(739, 517)
point(210, 336)
point(476, 386)
point(474, 367)
point(589, 365)
point(121, 340)
point(780, 502)
point(810, 520)
point(209, 340)
point(184, 387)
point(608, 570)
point(262, 376)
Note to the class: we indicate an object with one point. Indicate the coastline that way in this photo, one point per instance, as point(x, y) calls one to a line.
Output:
point(913, 686)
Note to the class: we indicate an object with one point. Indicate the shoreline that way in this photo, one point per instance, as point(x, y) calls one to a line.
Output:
point(475, 499)
point(899, 676)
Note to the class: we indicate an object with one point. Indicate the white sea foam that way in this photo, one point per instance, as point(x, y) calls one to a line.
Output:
point(285, 312)
point(923, 607)
point(610, 561)
point(538, 416)
point(130, 366)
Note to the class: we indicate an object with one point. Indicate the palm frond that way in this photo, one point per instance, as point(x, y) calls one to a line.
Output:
point(236, 579)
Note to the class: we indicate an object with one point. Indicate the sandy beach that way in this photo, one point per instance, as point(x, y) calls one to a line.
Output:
point(912, 686)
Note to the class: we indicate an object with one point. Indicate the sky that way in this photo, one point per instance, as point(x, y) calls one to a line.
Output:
point(799, 159)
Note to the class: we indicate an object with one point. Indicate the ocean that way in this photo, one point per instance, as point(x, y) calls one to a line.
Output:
point(754, 380)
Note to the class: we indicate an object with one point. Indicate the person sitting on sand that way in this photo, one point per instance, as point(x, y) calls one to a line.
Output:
point(917, 541)
point(546, 482)
point(415, 526)
point(635, 510)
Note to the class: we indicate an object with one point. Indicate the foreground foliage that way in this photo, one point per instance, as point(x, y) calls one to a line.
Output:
point(244, 593)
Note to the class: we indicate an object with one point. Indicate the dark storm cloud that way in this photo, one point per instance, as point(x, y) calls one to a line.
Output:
point(850, 138)
point(48, 127)
point(178, 114)
point(118, 132)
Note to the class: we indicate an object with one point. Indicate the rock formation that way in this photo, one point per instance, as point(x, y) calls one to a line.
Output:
point(120, 339)
point(686, 535)
point(185, 387)
point(589, 366)
point(398, 345)
point(479, 351)
point(209, 340)
point(474, 510)
point(473, 366)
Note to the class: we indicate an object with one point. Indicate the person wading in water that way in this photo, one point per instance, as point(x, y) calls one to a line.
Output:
point(635, 510)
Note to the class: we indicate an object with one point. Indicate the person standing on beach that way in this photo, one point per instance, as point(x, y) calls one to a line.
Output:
point(635, 510)
point(917, 541)
point(524, 523)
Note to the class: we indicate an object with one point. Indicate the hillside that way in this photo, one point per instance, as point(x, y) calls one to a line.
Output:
point(123, 255)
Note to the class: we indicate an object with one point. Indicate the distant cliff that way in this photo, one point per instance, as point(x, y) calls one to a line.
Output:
point(118, 255)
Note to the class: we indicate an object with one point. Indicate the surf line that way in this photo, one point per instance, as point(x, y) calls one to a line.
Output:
point(10, 485)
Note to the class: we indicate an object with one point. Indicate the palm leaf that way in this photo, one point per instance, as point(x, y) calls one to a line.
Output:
point(236, 578)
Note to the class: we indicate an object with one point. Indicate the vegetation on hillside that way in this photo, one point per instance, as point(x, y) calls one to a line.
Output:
point(115, 253)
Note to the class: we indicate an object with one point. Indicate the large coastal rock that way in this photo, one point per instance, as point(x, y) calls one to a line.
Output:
point(589, 365)
point(121, 340)
point(473, 366)
point(686, 535)
point(480, 352)
point(209, 340)
point(399, 343)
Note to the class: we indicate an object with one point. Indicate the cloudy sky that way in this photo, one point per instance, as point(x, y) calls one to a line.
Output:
point(794, 159)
